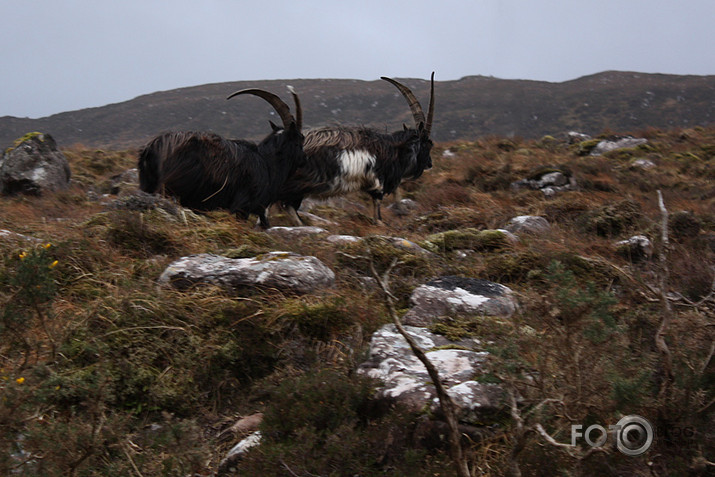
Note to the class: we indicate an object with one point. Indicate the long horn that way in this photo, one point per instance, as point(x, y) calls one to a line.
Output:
point(298, 109)
point(281, 108)
point(415, 106)
point(430, 110)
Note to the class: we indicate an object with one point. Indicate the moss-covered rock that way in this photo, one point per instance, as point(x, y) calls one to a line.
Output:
point(467, 239)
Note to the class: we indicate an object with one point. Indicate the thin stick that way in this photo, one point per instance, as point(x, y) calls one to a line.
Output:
point(445, 400)
point(667, 311)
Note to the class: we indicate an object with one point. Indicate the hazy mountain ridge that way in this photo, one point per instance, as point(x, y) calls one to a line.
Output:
point(467, 108)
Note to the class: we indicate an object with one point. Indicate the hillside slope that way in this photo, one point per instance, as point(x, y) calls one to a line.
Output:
point(468, 108)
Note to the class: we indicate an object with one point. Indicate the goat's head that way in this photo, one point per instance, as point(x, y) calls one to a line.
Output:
point(286, 142)
point(423, 128)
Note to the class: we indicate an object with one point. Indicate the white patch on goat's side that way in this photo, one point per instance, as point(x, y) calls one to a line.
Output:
point(357, 172)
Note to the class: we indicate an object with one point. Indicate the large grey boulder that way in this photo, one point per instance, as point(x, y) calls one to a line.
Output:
point(407, 382)
point(454, 296)
point(405, 378)
point(34, 166)
point(283, 270)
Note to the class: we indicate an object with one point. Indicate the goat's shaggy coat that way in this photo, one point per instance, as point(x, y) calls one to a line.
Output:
point(206, 172)
point(341, 160)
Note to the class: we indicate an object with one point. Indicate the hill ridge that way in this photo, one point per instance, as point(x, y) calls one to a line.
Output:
point(467, 108)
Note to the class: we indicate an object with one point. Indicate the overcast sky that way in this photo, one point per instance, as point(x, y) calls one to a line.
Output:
point(63, 55)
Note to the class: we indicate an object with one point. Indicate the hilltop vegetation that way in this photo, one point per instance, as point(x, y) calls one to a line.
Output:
point(474, 106)
point(106, 373)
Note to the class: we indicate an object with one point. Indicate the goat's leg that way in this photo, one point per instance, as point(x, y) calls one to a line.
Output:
point(376, 211)
point(293, 214)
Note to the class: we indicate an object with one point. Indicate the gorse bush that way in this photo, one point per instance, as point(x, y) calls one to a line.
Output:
point(28, 291)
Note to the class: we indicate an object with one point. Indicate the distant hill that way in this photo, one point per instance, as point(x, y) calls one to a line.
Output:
point(468, 108)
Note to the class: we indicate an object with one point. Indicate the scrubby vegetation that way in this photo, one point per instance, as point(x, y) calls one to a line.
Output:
point(105, 373)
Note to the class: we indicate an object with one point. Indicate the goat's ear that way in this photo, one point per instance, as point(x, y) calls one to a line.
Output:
point(274, 127)
point(404, 127)
point(421, 126)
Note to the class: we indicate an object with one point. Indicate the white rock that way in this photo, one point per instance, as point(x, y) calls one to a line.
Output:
point(283, 270)
point(450, 296)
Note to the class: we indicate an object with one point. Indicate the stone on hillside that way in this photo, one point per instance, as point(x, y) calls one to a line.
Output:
point(468, 239)
point(636, 248)
point(342, 239)
point(577, 137)
point(548, 180)
point(126, 182)
point(643, 163)
point(403, 207)
point(476, 402)
point(528, 224)
point(292, 233)
point(606, 146)
point(286, 271)
point(451, 295)
point(16, 237)
point(405, 378)
point(406, 245)
point(34, 166)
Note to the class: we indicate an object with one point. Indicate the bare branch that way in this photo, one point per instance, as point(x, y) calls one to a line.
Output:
point(445, 400)
point(667, 312)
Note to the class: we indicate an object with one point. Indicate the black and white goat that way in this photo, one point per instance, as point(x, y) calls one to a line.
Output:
point(206, 172)
point(341, 160)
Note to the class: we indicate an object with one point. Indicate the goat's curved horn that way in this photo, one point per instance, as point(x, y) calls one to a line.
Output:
point(298, 108)
point(281, 108)
point(415, 106)
point(430, 110)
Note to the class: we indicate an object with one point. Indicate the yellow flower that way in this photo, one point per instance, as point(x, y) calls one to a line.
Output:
point(53, 264)
point(20, 380)
point(47, 245)
point(23, 255)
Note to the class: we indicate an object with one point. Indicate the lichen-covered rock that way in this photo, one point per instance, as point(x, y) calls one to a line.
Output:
point(454, 296)
point(403, 207)
point(468, 239)
point(548, 179)
point(528, 224)
point(16, 237)
point(636, 248)
point(286, 271)
point(292, 233)
point(342, 239)
point(33, 166)
point(618, 143)
point(125, 182)
point(405, 378)
point(476, 402)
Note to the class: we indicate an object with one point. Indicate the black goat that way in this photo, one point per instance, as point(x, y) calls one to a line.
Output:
point(206, 172)
point(346, 159)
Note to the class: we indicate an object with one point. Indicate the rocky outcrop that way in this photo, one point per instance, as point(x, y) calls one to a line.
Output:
point(548, 180)
point(405, 378)
point(453, 296)
point(286, 271)
point(33, 166)
point(636, 248)
point(528, 224)
point(606, 146)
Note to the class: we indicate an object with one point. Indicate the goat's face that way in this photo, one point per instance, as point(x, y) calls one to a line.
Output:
point(419, 148)
point(286, 145)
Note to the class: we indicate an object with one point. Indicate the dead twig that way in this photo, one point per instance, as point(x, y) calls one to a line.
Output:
point(445, 400)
